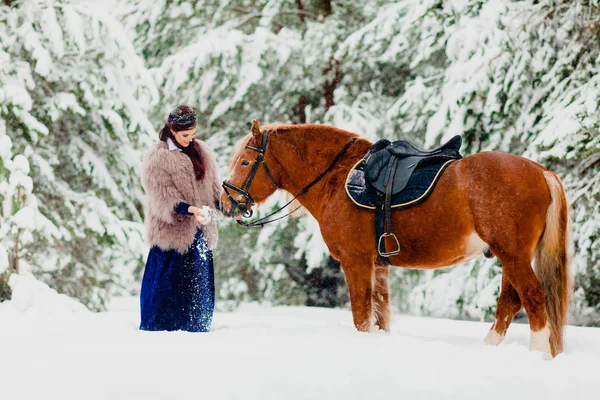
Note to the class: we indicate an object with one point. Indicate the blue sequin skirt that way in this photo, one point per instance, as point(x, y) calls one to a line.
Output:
point(178, 290)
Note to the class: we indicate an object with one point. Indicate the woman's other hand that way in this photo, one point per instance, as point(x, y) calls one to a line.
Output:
point(201, 214)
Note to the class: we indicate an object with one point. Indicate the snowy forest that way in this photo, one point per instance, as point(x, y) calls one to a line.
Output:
point(85, 85)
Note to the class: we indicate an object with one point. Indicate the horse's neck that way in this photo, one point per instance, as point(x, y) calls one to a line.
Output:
point(306, 157)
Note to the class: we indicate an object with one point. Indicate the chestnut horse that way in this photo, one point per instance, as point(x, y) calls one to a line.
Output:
point(488, 202)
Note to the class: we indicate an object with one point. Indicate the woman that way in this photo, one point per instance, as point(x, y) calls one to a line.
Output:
point(180, 179)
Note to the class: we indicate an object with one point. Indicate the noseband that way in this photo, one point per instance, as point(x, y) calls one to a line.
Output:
point(245, 187)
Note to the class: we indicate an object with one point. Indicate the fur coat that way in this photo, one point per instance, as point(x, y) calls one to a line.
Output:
point(168, 179)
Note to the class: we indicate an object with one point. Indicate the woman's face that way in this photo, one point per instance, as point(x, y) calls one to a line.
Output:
point(184, 138)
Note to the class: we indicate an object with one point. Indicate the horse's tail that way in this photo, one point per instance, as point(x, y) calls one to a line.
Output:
point(552, 259)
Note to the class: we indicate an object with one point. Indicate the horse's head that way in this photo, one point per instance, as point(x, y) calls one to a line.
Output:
point(250, 180)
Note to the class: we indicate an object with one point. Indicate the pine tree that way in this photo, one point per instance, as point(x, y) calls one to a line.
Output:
point(516, 77)
point(510, 76)
point(73, 99)
point(229, 59)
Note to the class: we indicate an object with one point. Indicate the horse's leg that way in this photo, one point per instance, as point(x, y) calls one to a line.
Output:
point(381, 297)
point(509, 304)
point(521, 276)
point(359, 277)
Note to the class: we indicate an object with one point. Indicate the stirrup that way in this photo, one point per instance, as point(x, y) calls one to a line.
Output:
point(389, 253)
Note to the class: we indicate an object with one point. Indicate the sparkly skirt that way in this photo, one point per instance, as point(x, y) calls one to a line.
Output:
point(178, 290)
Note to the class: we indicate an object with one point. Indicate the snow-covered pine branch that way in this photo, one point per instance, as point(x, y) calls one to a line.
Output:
point(74, 97)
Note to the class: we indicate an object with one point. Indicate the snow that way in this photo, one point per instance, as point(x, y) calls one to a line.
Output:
point(5, 146)
point(310, 243)
point(24, 218)
point(35, 299)
point(508, 75)
point(21, 164)
point(259, 352)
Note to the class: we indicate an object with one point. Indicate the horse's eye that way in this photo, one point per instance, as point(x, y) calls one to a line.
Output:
point(245, 163)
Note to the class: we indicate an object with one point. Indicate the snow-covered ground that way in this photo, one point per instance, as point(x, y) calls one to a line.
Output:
point(52, 348)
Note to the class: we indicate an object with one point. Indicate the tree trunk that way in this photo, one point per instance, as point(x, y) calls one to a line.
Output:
point(301, 11)
point(330, 86)
point(299, 112)
point(16, 253)
point(326, 7)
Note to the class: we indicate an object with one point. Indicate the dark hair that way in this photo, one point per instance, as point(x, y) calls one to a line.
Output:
point(183, 118)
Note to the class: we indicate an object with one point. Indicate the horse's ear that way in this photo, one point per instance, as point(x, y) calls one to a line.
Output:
point(255, 127)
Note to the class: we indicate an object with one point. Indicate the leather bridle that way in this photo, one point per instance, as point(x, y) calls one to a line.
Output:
point(244, 189)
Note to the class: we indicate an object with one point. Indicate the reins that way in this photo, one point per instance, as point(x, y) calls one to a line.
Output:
point(244, 190)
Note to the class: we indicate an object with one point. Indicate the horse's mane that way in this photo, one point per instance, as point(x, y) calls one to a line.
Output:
point(278, 127)
point(275, 126)
point(240, 144)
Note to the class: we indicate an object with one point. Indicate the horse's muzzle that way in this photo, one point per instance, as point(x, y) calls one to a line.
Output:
point(234, 209)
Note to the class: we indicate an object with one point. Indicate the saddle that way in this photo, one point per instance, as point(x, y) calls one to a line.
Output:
point(395, 162)
point(397, 175)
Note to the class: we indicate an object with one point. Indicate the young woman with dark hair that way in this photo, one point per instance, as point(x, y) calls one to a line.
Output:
point(180, 179)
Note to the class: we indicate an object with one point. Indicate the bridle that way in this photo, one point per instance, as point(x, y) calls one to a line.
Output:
point(244, 189)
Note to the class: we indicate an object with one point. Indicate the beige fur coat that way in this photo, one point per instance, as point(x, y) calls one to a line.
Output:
point(168, 179)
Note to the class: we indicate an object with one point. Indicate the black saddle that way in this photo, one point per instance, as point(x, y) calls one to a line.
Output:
point(403, 157)
point(380, 182)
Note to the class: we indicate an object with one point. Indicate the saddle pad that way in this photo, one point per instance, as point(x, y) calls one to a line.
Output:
point(419, 186)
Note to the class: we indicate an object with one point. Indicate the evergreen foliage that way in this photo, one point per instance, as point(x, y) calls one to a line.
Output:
point(509, 76)
point(5, 291)
point(73, 95)
point(79, 102)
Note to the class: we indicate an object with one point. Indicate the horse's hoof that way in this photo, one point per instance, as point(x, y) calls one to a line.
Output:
point(381, 330)
point(493, 338)
point(540, 341)
point(365, 328)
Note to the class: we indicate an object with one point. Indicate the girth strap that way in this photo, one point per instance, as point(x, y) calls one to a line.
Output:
point(389, 184)
point(383, 216)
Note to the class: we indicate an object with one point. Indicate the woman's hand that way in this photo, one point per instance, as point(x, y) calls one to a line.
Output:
point(201, 214)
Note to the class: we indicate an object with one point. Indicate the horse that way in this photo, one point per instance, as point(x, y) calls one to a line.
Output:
point(490, 203)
